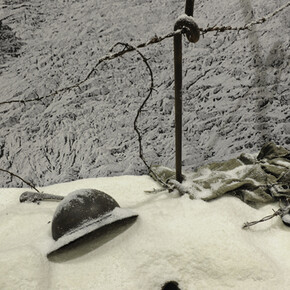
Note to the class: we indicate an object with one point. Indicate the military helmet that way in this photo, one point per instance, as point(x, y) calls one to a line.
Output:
point(82, 212)
point(286, 219)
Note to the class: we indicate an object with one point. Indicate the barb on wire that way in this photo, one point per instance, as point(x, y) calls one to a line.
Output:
point(266, 218)
point(280, 212)
point(15, 175)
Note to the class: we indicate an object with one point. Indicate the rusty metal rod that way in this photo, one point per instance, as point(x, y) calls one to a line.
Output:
point(189, 6)
point(178, 94)
point(178, 104)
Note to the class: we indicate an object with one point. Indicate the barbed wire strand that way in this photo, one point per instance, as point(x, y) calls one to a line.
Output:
point(15, 175)
point(139, 111)
point(153, 40)
point(246, 26)
point(278, 212)
point(128, 48)
point(106, 57)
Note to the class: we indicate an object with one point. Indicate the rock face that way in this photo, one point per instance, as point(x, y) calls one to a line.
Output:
point(235, 98)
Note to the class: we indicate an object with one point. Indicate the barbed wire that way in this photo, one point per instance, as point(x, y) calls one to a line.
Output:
point(153, 40)
point(246, 26)
point(106, 57)
point(19, 177)
point(129, 48)
point(139, 111)
point(280, 212)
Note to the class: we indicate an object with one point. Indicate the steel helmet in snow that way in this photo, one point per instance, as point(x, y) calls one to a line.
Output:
point(286, 216)
point(82, 212)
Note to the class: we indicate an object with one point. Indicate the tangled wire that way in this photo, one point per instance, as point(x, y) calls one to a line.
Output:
point(126, 48)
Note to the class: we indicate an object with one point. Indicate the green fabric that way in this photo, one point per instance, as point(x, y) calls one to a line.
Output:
point(254, 180)
point(163, 173)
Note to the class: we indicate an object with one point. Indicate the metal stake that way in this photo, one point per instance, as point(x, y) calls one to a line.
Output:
point(178, 93)
point(189, 6)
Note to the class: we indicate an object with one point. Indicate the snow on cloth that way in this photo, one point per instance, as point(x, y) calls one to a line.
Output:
point(265, 178)
point(198, 244)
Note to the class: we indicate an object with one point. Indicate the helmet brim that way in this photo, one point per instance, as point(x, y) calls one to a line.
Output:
point(89, 226)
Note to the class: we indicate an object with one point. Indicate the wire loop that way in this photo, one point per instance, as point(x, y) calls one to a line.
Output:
point(191, 29)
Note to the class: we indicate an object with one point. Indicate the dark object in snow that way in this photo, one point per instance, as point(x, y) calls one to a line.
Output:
point(37, 197)
point(286, 219)
point(82, 212)
point(286, 216)
point(171, 285)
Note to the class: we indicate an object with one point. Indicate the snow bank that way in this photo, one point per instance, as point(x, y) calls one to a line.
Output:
point(198, 244)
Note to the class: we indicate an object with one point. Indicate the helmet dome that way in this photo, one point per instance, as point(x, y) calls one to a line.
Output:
point(82, 212)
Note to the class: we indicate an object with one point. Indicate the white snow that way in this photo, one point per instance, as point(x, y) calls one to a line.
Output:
point(235, 95)
point(201, 245)
point(187, 18)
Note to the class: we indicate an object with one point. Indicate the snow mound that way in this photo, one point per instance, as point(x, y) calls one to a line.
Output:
point(198, 244)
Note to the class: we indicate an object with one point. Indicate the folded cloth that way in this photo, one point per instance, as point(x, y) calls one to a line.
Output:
point(262, 179)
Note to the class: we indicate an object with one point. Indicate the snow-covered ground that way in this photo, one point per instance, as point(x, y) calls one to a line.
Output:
point(236, 87)
point(236, 97)
point(198, 244)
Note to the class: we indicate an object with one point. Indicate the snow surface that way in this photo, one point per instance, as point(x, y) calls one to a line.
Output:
point(198, 244)
point(236, 87)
